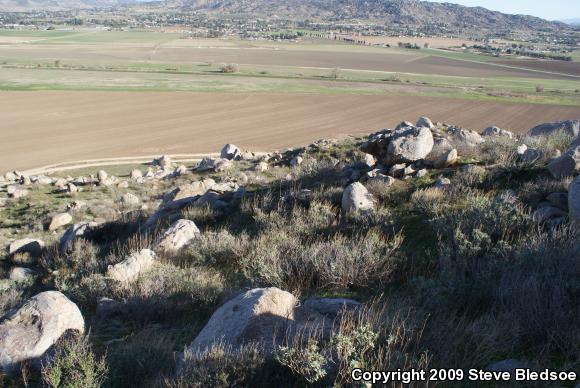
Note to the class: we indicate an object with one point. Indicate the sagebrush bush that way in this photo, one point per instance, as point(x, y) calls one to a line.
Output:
point(10, 296)
point(195, 286)
point(375, 337)
point(335, 263)
point(74, 364)
point(221, 366)
point(431, 200)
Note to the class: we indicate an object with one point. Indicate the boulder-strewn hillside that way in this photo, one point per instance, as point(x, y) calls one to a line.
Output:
point(423, 246)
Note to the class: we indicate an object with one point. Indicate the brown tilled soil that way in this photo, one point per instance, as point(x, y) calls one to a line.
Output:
point(564, 67)
point(40, 128)
point(412, 62)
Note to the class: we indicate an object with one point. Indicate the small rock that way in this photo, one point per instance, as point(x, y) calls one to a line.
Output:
point(21, 274)
point(76, 231)
point(16, 192)
point(421, 173)
point(129, 269)
point(369, 160)
point(59, 220)
point(356, 198)
point(261, 167)
point(102, 176)
point(136, 175)
point(296, 161)
point(531, 155)
point(130, 199)
point(230, 152)
point(164, 162)
point(177, 236)
point(446, 160)
point(546, 213)
point(442, 183)
point(567, 164)
point(27, 245)
point(497, 132)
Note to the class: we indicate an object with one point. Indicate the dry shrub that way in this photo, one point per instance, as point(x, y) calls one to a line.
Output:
point(374, 337)
point(549, 143)
point(495, 151)
point(74, 364)
point(198, 286)
point(431, 200)
point(519, 306)
point(143, 358)
point(220, 366)
point(229, 68)
point(537, 190)
point(10, 297)
point(215, 249)
point(336, 263)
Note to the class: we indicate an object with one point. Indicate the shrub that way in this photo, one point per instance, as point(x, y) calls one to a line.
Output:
point(220, 366)
point(372, 338)
point(229, 68)
point(144, 357)
point(304, 361)
point(335, 263)
point(10, 297)
point(74, 365)
point(431, 200)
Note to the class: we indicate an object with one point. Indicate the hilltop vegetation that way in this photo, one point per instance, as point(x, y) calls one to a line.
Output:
point(425, 246)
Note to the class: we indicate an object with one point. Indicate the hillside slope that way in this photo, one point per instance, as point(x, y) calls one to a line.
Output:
point(413, 14)
point(404, 12)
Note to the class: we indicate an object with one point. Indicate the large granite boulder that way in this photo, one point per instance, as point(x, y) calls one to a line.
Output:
point(28, 333)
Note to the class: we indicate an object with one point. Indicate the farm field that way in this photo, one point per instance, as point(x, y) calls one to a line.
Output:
point(71, 126)
point(96, 94)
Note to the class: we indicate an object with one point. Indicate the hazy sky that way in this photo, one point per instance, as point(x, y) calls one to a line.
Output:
point(546, 9)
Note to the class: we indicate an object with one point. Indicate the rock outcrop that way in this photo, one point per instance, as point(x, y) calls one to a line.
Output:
point(570, 127)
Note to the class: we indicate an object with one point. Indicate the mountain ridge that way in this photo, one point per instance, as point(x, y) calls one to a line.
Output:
point(423, 16)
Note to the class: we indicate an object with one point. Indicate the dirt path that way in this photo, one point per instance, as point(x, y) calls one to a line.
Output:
point(42, 128)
